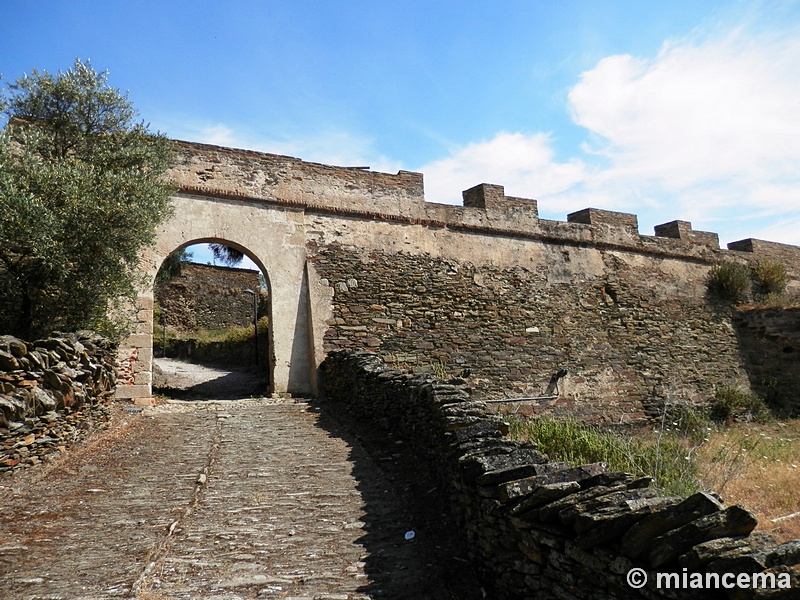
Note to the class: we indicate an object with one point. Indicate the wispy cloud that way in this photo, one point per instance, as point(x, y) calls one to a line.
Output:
point(519, 162)
point(707, 130)
point(724, 110)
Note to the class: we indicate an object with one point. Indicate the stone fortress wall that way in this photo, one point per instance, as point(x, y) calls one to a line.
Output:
point(358, 259)
point(207, 297)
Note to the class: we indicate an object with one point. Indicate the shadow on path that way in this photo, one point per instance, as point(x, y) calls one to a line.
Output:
point(432, 564)
point(189, 381)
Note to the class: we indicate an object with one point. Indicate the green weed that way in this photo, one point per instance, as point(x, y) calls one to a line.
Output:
point(771, 276)
point(731, 281)
point(667, 458)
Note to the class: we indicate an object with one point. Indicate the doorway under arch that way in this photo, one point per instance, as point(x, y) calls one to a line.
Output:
point(212, 315)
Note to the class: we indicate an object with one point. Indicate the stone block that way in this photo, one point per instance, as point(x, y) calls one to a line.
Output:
point(144, 303)
point(143, 378)
point(732, 522)
point(139, 340)
point(127, 392)
point(637, 541)
point(145, 355)
point(595, 216)
point(146, 401)
point(528, 485)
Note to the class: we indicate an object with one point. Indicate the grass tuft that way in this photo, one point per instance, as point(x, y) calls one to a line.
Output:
point(666, 459)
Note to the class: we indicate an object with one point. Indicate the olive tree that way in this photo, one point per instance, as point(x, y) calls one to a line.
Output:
point(226, 255)
point(82, 190)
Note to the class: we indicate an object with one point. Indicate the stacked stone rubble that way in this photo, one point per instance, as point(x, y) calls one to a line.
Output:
point(542, 529)
point(51, 392)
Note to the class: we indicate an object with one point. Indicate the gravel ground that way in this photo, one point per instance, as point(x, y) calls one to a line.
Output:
point(178, 379)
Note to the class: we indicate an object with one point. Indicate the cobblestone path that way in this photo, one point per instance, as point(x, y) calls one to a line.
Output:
point(249, 499)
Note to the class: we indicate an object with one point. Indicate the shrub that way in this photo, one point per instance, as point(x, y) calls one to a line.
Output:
point(733, 404)
point(730, 281)
point(771, 276)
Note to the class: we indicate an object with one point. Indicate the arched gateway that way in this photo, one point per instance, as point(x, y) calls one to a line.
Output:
point(263, 205)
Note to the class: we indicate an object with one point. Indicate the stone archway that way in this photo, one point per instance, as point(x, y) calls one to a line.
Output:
point(274, 239)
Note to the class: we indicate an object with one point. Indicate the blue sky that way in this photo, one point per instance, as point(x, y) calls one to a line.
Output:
point(671, 110)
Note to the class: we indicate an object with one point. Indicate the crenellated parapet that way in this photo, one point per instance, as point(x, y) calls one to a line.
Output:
point(493, 197)
point(359, 259)
point(249, 175)
point(682, 230)
point(357, 192)
point(596, 216)
point(760, 250)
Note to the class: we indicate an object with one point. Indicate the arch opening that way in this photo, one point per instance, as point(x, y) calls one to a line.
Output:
point(212, 323)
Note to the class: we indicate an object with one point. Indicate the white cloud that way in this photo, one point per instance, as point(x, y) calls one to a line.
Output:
point(518, 162)
point(218, 135)
point(708, 130)
point(783, 230)
point(724, 108)
point(707, 126)
point(330, 147)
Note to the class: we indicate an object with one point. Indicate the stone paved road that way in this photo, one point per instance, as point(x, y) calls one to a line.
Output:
point(249, 499)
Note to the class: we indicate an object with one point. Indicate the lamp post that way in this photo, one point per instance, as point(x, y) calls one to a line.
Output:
point(164, 323)
point(255, 319)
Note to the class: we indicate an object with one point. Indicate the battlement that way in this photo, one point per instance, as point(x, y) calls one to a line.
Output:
point(493, 197)
point(596, 216)
point(219, 171)
point(783, 253)
point(682, 230)
point(245, 175)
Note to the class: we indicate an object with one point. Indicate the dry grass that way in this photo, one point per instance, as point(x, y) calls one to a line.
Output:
point(753, 464)
point(758, 466)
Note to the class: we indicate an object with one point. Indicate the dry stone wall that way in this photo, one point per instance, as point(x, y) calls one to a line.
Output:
point(630, 339)
point(52, 392)
point(541, 529)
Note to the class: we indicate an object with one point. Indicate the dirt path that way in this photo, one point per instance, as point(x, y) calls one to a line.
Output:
point(224, 501)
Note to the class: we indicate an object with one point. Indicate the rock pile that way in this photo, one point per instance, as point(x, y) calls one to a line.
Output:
point(543, 529)
point(52, 392)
